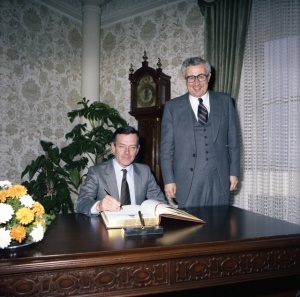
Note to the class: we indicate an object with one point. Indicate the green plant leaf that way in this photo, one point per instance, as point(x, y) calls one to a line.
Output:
point(33, 168)
point(53, 154)
point(46, 145)
point(75, 177)
point(77, 131)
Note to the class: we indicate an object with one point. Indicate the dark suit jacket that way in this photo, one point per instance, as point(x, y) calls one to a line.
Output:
point(178, 147)
point(102, 176)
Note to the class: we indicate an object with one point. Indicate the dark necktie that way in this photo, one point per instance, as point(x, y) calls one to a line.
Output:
point(125, 195)
point(202, 113)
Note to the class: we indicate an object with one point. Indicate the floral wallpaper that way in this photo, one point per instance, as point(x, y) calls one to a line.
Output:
point(40, 62)
point(40, 68)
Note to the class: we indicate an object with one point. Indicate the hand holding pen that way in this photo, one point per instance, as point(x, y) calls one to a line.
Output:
point(114, 200)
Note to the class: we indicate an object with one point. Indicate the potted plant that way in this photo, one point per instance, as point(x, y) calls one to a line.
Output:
point(56, 174)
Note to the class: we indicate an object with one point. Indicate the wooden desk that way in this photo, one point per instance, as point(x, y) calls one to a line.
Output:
point(79, 257)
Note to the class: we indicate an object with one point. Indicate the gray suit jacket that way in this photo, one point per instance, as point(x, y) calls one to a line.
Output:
point(102, 176)
point(178, 147)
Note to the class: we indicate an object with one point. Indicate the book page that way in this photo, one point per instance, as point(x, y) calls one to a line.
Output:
point(122, 220)
point(171, 212)
point(128, 212)
point(150, 205)
point(129, 209)
point(166, 210)
point(128, 217)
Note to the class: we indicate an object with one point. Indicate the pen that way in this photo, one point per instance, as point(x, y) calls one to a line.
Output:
point(110, 195)
point(141, 219)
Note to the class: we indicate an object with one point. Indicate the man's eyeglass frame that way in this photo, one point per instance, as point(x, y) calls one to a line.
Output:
point(200, 77)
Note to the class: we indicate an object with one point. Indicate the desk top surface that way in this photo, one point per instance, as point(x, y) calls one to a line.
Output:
point(78, 235)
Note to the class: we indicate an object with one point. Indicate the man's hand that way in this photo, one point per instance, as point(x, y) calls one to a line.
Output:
point(170, 190)
point(233, 182)
point(108, 203)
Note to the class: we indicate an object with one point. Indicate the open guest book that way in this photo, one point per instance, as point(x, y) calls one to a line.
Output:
point(151, 211)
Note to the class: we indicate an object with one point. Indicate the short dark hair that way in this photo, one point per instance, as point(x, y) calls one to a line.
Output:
point(126, 130)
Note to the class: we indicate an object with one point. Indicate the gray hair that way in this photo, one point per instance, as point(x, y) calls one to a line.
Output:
point(193, 62)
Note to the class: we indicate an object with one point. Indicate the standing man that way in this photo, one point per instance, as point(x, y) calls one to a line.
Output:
point(107, 184)
point(200, 153)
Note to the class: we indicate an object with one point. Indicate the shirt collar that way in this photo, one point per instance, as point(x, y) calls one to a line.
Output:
point(118, 168)
point(205, 98)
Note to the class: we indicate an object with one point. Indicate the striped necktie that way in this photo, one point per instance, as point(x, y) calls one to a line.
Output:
point(202, 113)
point(125, 195)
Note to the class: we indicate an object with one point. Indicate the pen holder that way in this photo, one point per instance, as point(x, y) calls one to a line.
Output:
point(142, 231)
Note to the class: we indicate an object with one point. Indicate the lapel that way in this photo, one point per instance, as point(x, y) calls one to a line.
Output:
point(186, 119)
point(111, 179)
point(137, 182)
point(215, 113)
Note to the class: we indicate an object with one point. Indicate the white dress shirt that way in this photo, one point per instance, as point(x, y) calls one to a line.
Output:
point(195, 102)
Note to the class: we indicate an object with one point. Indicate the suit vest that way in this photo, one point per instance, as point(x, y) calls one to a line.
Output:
point(205, 159)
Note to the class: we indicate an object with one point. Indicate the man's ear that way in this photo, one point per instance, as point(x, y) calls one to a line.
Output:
point(138, 148)
point(209, 76)
point(113, 147)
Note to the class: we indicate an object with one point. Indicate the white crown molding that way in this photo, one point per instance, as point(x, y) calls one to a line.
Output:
point(64, 8)
point(136, 10)
point(75, 12)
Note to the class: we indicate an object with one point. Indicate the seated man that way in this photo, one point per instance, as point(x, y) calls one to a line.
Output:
point(104, 190)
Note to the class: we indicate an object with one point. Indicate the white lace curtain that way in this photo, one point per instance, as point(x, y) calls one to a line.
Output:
point(269, 111)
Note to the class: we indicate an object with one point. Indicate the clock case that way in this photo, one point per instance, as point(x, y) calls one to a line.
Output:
point(148, 112)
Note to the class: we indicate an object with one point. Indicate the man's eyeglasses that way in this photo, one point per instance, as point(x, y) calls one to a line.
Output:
point(200, 77)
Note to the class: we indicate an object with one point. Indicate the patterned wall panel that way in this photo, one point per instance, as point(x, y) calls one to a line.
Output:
point(40, 62)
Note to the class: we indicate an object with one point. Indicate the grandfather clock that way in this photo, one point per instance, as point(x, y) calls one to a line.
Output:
point(150, 89)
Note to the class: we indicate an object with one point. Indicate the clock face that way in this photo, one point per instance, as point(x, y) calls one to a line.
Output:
point(146, 92)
